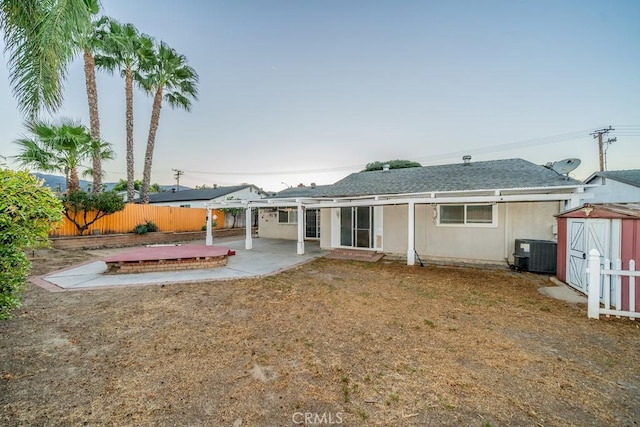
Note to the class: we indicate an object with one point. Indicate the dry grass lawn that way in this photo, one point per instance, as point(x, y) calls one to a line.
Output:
point(343, 341)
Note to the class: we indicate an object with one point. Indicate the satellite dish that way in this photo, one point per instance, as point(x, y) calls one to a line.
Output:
point(565, 166)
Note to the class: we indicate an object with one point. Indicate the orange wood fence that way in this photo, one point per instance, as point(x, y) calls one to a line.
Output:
point(167, 218)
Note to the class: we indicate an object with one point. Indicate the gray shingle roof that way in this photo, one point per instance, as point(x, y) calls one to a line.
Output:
point(630, 176)
point(199, 194)
point(487, 175)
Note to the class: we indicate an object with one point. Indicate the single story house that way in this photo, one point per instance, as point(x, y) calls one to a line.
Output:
point(469, 212)
point(621, 186)
point(199, 197)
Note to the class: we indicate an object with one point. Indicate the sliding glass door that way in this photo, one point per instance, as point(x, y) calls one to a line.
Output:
point(356, 226)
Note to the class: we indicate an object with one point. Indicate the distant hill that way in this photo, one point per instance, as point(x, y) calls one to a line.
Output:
point(59, 183)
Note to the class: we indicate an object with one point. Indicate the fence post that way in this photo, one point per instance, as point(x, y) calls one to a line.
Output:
point(593, 298)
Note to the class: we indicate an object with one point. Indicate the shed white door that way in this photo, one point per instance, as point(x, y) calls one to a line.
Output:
point(584, 235)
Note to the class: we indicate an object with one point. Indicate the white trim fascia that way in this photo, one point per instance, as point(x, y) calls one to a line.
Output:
point(417, 198)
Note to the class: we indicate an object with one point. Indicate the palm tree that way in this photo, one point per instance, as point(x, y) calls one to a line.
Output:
point(40, 38)
point(89, 43)
point(124, 49)
point(60, 148)
point(168, 77)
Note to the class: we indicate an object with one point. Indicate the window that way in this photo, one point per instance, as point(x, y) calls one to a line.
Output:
point(288, 216)
point(466, 215)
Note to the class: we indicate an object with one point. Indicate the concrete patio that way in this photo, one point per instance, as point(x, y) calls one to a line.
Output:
point(268, 256)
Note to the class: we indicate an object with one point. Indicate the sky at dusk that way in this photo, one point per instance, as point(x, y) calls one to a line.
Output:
point(303, 91)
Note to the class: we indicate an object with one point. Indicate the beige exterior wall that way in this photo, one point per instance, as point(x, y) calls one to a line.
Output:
point(488, 244)
point(268, 226)
point(325, 228)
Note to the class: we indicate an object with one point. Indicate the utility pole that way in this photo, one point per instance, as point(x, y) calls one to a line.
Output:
point(599, 134)
point(178, 173)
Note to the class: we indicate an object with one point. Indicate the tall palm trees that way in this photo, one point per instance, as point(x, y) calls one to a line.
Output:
point(43, 36)
point(60, 148)
point(124, 49)
point(168, 77)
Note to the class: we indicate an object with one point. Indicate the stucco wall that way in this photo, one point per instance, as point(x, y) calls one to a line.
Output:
point(491, 245)
point(269, 227)
point(325, 228)
point(612, 192)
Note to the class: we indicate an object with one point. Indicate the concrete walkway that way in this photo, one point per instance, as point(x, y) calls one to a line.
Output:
point(268, 256)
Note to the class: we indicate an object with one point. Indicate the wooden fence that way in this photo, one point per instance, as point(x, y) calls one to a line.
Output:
point(623, 293)
point(167, 218)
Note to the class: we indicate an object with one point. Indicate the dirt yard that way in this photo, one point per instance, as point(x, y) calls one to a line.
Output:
point(331, 342)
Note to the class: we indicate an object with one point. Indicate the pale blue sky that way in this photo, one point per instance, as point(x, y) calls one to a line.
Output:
point(328, 86)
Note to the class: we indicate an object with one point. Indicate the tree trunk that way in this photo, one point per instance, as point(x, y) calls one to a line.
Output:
point(148, 157)
point(73, 183)
point(94, 118)
point(129, 124)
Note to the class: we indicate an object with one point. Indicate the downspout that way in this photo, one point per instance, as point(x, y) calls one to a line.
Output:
point(411, 258)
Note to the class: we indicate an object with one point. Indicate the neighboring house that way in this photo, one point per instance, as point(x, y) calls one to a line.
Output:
point(198, 198)
point(123, 194)
point(465, 212)
point(615, 186)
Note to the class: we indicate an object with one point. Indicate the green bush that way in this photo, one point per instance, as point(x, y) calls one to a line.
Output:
point(151, 226)
point(147, 227)
point(27, 212)
point(140, 229)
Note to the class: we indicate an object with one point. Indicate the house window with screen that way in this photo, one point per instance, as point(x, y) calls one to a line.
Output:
point(471, 215)
point(288, 216)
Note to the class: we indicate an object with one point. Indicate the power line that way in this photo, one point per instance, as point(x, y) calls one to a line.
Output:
point(599, 134)
point(178, 173)
point(571, 136)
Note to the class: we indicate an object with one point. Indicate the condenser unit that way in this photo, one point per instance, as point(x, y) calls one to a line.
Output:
point(536, 256)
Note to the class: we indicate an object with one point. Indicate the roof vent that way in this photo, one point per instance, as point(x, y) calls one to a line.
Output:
point(386, 167)
point(467, 160)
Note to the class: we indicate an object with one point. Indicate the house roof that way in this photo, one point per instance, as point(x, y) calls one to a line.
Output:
point(199, 194)
point(629, 177)
point(486, 175)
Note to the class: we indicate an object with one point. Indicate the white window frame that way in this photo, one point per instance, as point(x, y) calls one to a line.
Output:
point(292, 215)
point(494, 216)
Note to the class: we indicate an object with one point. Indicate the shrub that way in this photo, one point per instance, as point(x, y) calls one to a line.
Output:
point(140, 229)
point(27, 212)
point(151, 226)
point(147, 227)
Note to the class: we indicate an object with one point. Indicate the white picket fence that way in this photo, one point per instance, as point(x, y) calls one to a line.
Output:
point(610, 277)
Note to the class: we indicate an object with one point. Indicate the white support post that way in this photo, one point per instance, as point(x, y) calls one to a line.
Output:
point(632, 287)
point(300, 250)
point(209, 238)
point(593, 298)
point(411, 220)
point(248, 242)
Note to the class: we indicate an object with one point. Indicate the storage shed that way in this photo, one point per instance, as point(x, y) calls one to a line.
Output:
point(611, 228)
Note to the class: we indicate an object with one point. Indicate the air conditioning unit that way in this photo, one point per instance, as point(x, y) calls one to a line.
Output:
point(536, 256)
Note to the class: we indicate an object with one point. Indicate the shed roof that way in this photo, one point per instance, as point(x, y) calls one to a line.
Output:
point(629, 176)
point(486, 175)
point(603, 210)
